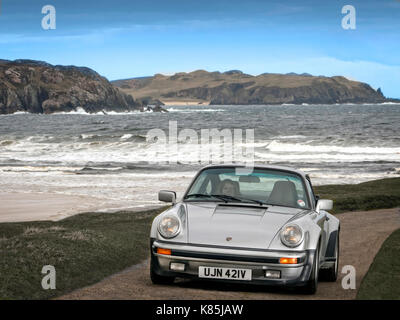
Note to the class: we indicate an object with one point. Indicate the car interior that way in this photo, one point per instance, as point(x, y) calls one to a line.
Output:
point(284, 192)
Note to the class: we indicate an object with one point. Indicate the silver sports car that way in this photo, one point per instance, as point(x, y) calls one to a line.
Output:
point(264, 226)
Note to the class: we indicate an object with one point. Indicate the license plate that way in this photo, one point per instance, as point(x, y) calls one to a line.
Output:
point(224, 273)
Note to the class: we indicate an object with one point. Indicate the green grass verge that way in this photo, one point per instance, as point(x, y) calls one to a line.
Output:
point(382, 280)
point(84, 249)
point(377, 194)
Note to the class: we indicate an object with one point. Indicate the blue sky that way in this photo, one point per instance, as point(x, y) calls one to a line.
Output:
point(129, 38)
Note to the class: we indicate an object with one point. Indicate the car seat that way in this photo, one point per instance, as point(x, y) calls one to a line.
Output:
point(283, 193)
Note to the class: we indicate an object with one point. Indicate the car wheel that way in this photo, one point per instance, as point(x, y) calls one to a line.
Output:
point(312, 284)
point(331, 273)
point(156, 278)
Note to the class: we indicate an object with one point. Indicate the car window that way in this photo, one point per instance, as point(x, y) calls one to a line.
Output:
point(312, 194)
point(264, 185)
point(208, 187)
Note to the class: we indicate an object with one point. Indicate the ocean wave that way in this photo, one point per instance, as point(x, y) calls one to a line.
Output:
point(126, 136)
point(77, 111)
point(389, 103)
point(130, 148)
point(295, 136)
point(81, 111)
point(39, 169)
point(192, 110)
point(276, 146)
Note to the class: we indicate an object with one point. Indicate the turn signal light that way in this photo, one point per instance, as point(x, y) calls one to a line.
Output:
point(288, 260)
point(164, 251)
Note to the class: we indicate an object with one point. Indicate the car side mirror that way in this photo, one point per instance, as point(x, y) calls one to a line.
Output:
point(324, 204)
point(167, 196)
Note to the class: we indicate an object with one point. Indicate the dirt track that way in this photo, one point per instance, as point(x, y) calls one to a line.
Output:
point(362, 234)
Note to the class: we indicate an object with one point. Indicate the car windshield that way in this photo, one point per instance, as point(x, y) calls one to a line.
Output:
point(261, 186)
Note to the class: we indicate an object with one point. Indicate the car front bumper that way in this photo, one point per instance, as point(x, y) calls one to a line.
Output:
point(259, 261)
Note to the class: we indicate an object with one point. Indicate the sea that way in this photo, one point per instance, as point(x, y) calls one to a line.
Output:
point(123, 159)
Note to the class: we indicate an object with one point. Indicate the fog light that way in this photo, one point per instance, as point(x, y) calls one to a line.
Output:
point(274, 274)
point(177, 266)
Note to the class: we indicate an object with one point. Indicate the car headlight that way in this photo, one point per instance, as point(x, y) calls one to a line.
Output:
point(169, 226)
point(291, 235)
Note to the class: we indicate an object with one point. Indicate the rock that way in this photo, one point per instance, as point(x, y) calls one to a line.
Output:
point(38, 87)
point(148, 101)
point(157, 108)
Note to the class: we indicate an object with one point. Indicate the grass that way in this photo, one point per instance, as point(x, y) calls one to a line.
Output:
point(84, 249)
point(377, 194)
point(383, 278)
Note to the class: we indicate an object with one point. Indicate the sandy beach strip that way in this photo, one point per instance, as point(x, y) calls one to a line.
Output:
point(185, 102)
point(21, 207)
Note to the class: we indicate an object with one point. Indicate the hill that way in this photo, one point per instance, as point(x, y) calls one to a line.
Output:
point(236, 87)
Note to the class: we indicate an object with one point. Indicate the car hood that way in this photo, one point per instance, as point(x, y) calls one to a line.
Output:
point(236, 225)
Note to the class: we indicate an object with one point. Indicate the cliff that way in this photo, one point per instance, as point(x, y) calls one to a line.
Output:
point(38, 87)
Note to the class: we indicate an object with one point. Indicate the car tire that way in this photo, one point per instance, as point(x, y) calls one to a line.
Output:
point(331, 274)
point(312, 284)
point(156, 278)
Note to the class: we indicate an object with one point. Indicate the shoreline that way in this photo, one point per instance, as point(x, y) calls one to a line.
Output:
point(185, 103)
point(24, 207)
point(193, 103)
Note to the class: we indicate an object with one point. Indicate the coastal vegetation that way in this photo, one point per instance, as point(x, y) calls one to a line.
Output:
point(84, 249)
point(383, 277)
point(376, 194)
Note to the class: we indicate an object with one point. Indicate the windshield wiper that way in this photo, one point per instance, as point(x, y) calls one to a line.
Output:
point(226, 197)
point(202, 195)
point(222, 197)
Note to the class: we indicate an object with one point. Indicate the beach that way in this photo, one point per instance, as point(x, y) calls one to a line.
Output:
point(185, 102)
point(22, 207)
point(54, 166)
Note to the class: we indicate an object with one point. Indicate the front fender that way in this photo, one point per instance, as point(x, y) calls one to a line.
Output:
point(178, 209)
point(312, 234)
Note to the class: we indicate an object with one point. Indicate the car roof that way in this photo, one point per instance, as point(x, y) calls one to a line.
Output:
point(258, 166)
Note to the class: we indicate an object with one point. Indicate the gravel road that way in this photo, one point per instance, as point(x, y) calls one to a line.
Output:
point(362, 234)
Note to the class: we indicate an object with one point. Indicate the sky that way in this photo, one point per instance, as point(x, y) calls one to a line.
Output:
point(128, 38)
